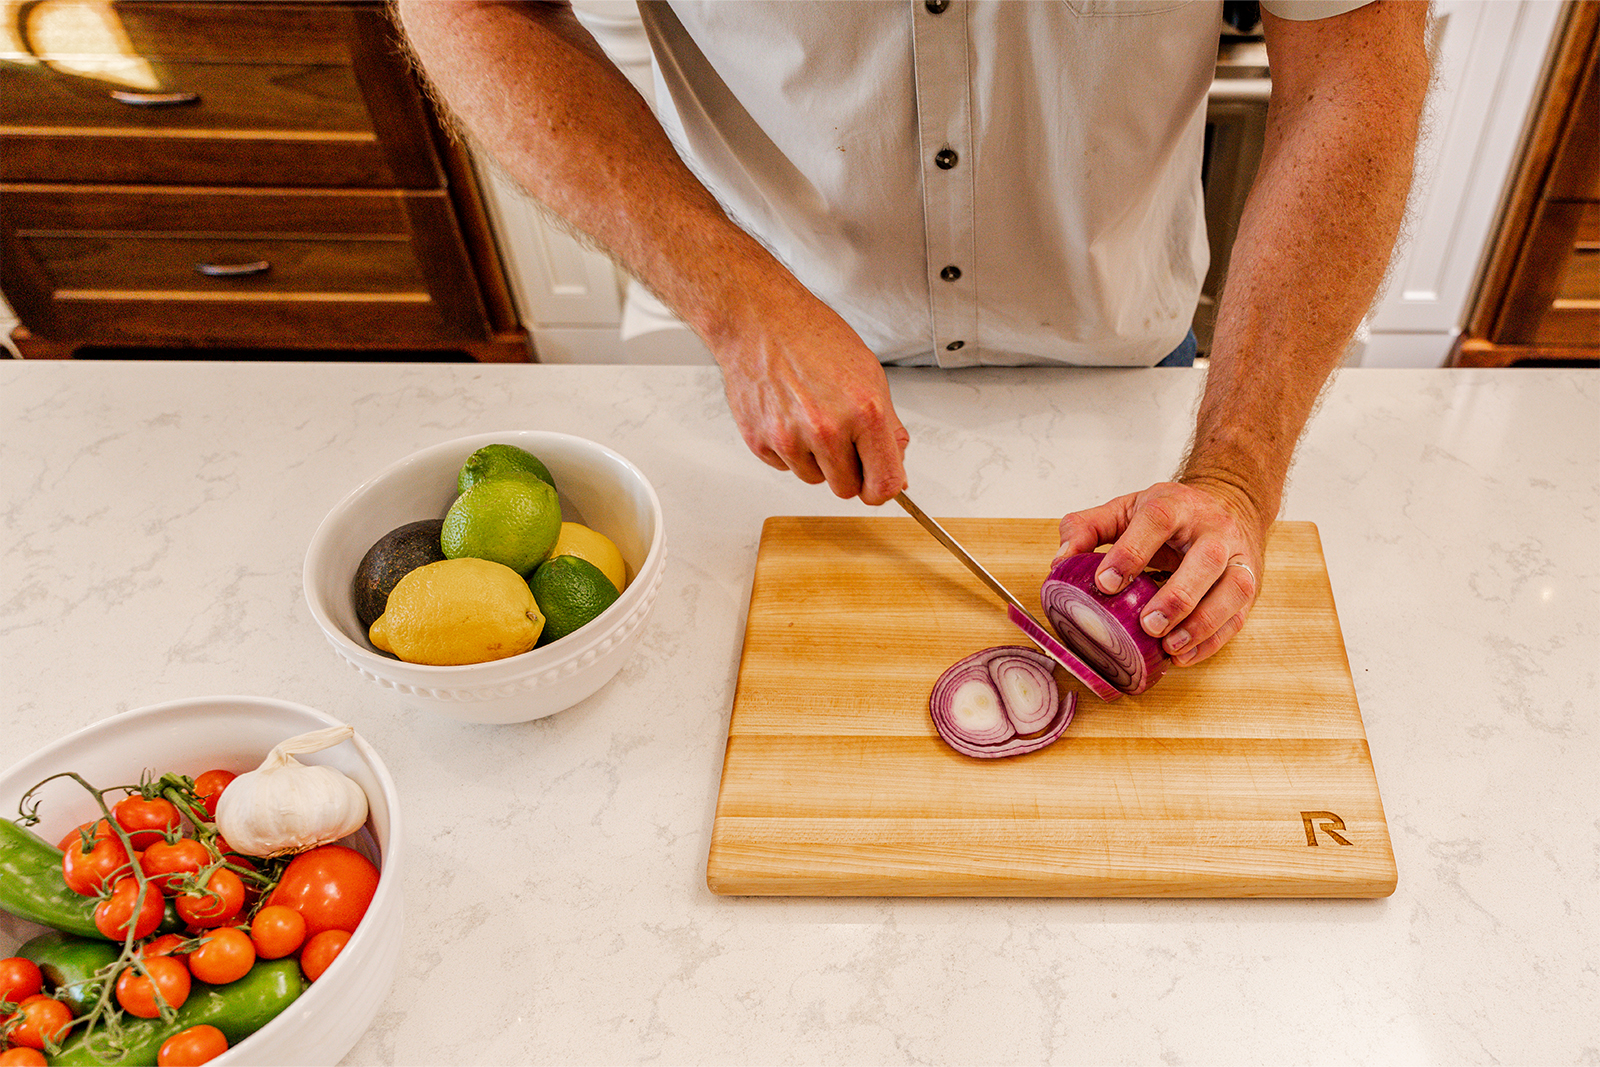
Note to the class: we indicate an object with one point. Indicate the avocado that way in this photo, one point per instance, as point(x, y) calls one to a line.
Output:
point(392, 557)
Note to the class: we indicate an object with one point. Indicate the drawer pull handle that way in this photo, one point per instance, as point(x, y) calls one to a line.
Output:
point(233, 270)
point(122, 96)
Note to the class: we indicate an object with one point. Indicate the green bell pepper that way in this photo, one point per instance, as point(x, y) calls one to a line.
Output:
point(31, 887)
point(238, 1009)
point(74, 968)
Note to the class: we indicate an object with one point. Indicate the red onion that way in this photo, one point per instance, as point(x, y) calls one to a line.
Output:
point(1000, 702)
point(1104, 629)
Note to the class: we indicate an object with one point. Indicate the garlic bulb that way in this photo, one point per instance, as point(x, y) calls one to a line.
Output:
point(285, 806)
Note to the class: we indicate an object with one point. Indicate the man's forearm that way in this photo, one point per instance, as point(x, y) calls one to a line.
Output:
point(1313, 244)
point(532, 88)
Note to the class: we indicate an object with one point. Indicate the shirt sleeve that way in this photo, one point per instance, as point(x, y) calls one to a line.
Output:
point(1307, 10)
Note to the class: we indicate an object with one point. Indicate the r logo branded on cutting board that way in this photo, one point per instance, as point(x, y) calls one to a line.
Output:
point(1329, 823)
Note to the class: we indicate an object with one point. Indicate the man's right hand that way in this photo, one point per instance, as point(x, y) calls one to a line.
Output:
point(810, 397)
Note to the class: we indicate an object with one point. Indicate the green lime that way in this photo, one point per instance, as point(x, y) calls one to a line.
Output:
point(513, 518)
point(491, 461)
point(571, 592)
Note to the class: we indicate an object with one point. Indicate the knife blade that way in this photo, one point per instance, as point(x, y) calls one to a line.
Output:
point(1019, 616)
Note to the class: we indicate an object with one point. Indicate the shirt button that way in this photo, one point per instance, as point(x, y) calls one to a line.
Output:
point(945, 158)
point(953, 345)
point(936, 6)
point(950, 273)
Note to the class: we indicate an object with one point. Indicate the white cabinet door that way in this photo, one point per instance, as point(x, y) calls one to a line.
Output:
point(1489, 59)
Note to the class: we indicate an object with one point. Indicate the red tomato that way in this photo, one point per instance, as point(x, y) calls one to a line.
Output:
point(209, 786)
point(330, 886)
point(277, 931)
point(146, 820)
point(192, 1047)
point(98, 828)
point(22, 1057)
point(20, 979)
point(137, 992)
point(165, 863)
point(123, 908)
point(321, 950)
point(224, 956)
point(216, 905)
point(38, 1019)
point(88, 872)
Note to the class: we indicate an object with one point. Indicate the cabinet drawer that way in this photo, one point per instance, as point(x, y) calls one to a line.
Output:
point(191, 97)
point(302, 114)
point(113, 266)
point(176, 267)
point(76, 33)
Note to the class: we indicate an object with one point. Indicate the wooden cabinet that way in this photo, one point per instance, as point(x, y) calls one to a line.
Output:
point(1540, 299)
point(236, 174)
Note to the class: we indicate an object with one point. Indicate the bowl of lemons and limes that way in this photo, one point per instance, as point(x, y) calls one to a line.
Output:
point(495, 578)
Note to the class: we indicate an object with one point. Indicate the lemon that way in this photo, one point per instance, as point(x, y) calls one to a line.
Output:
point(491, 461)
point(578, 540)
point(571, 592)
point(458, 611)
point(512, 518)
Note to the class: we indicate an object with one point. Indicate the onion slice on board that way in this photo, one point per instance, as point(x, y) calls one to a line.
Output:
point(1102, 629)
point(1002, 701)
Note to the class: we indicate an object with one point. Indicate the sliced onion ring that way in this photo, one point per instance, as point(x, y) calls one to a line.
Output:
point(1104, 630)
point(1002, 701)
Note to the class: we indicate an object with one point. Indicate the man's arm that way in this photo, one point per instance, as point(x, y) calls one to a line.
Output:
point(1313, 245)
point(533, 88)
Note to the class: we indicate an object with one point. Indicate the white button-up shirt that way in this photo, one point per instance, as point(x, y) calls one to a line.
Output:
point(964, 182)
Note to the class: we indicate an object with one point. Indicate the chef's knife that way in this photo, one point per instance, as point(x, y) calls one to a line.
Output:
point(1014, 610)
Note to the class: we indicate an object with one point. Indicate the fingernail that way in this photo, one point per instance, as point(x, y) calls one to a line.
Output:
point(1110, 581)
point(1154, 623)
point(1185, 659)
point(1175, 643)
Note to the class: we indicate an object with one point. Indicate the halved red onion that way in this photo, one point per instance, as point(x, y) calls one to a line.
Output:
point(1002, 701)
point(1104, 629)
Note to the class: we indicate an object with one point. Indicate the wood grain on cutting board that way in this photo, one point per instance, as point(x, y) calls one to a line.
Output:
point(1248, 775)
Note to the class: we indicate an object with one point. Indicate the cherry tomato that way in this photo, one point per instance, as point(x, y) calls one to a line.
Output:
point(146, 820)
point(89, 871)
point(165, 863)
point(165, 945)
point(209, 786)
point(321, 950)
point(22, 1056)
point(98, 828)
point(216, 905)
point(39, 1019)
point(224, 956)
point(137, 992)
point(20, 979)
point(192, 1047)
point(330, 886)
point(123, 908)
point(277, 931)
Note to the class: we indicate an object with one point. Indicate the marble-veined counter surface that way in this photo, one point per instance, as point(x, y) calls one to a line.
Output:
point(156, 515)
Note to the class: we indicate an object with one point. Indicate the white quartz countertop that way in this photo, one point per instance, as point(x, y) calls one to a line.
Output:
point(156, 516)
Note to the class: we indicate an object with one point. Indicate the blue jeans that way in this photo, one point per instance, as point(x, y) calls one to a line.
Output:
point(1183, 355)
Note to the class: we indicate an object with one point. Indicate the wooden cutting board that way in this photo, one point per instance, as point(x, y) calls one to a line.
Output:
point(1246, 776)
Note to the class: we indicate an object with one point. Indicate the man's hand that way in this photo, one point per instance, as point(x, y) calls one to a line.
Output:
point(809, 397)
point(1210, 537)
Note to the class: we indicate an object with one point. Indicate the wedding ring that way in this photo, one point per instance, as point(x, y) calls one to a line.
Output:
point(1246, 566)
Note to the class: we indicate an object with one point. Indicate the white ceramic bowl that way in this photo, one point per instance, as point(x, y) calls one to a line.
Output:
point(235, 733)
point(598, 488)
